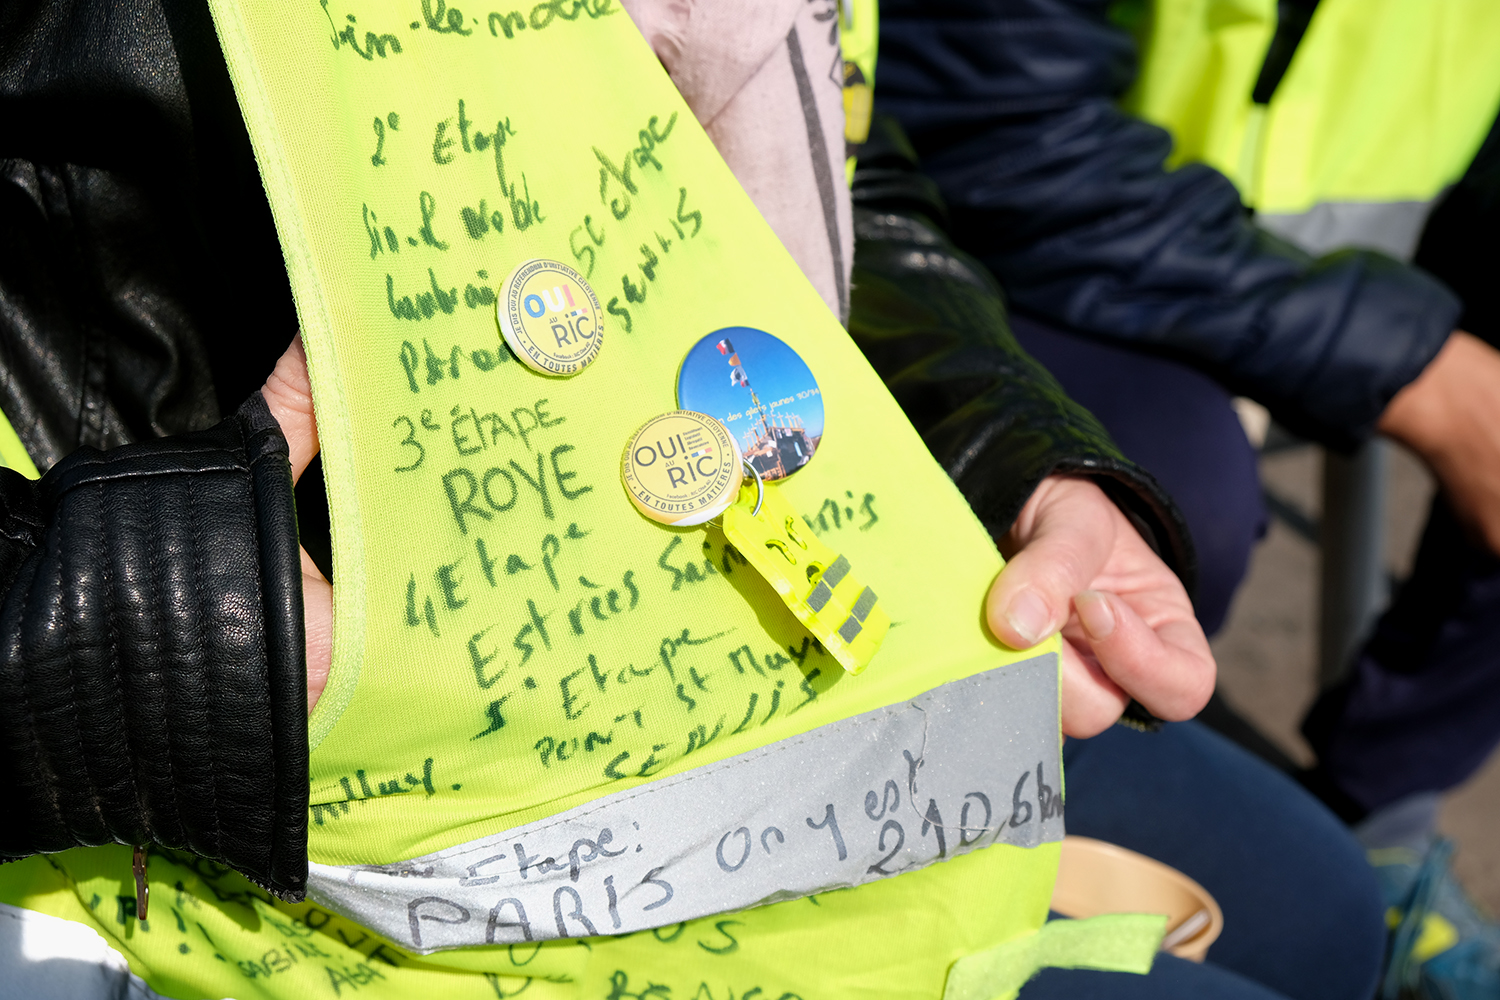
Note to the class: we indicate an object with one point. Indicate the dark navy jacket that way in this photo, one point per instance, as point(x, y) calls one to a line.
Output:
point(1012, 106)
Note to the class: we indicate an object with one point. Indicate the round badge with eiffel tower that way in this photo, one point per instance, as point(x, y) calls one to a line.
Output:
point(759, 388)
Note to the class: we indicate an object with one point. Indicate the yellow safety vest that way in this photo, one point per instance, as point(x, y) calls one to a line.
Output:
point(13, 453)
point(1382, 107)
point(859, 40)
point(565, 750)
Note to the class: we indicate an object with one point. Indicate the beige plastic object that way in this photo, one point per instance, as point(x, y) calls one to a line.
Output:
point(1095, 877)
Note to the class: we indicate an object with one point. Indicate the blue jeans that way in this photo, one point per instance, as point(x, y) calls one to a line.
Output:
point(1303, 916)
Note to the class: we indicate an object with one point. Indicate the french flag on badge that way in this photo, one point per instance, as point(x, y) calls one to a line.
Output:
point(737, 376)
point(725, 347)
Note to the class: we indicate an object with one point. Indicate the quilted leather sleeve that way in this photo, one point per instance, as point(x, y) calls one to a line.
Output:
point(152, 660)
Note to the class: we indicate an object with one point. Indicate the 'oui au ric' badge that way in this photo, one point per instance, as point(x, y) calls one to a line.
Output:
point(550, 317)
point(762, 391)
point(682, 468)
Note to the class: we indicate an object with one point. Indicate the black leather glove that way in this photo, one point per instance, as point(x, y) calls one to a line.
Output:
point(152, 662)
point(931, 320)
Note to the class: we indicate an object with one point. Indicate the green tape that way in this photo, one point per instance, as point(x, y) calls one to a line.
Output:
point(1115, 942)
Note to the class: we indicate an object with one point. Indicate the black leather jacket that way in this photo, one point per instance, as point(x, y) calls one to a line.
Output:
point(152, 675)
point(152, 665)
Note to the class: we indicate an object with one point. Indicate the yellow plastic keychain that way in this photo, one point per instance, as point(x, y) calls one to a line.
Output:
point(776, 422)
point(812, 580)
point(683, 469)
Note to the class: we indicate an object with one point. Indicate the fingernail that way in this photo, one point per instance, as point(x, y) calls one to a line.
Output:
point(1028, 617)
point(1094, 612)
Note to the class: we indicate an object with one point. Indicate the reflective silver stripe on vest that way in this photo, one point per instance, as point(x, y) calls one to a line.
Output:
point(855, 623)
point(966, 765)
point(832, 577)
point(1392, 227)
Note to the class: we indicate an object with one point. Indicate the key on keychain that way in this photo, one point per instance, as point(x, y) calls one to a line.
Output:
point(815, 582)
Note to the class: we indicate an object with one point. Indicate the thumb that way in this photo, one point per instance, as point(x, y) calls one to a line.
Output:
point(1065, 547)
point(288, 392)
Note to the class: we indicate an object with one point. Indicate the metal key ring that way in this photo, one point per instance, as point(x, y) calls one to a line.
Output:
point(760, 486)
point(760, 492)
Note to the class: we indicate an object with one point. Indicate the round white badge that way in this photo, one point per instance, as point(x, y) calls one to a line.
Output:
point(550, 317)
point(682, 468)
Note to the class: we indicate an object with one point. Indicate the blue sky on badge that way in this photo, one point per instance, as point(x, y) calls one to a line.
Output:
point(761, 390)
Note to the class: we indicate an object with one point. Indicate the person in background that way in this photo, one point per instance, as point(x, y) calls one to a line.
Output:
point(933, 323)
point(1138, 277)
